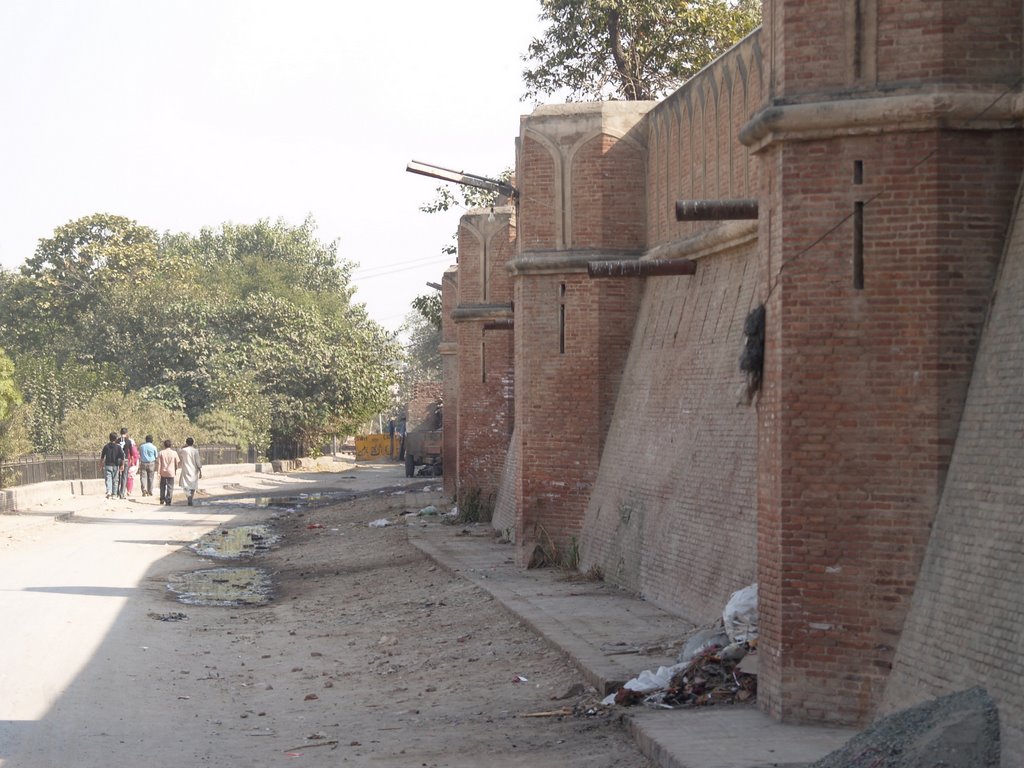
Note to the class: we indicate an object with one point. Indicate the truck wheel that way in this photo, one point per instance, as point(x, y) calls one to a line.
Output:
point(410, 465)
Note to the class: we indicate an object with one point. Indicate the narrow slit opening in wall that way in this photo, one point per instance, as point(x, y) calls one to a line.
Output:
point(858, 40)
point(483, 362)
point(858, 171)
point(858, 246)
point(561, 319)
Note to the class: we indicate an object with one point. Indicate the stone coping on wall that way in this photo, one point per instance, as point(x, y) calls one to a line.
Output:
point(946, 109)
point(707, 242)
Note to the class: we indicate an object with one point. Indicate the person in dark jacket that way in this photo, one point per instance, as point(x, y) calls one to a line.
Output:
point(112, 461)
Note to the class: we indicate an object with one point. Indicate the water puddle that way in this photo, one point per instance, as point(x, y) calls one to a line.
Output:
point(285, 503)
point(223, 587)
point(229, 543)
point(302, 500)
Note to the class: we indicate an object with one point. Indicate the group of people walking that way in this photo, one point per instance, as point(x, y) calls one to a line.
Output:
point(123, 461)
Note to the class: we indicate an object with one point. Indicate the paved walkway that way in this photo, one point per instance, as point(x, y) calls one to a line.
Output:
point(613, 637)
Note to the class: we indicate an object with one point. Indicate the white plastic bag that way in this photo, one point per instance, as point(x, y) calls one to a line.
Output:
point(740, 615)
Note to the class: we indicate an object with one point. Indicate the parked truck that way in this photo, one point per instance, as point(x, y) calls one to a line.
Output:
point(423, 447)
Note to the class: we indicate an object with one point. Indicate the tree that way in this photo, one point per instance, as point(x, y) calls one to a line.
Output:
point(631, 50)
point(69, 279)
point(13, 432)
point(423, 328)
point(247, 330)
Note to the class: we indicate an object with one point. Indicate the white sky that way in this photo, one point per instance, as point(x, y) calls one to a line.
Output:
point(182, 114)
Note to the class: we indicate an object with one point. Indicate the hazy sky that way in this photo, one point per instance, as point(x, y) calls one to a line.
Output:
point(182, 114)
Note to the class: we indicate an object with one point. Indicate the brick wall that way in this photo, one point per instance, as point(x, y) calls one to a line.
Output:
point(582, 197)
point(868, 386)
point(823, 46)
point(484, 353)
point(450, 378)
point(967, 614)
point(868, 361)
point(673, 512)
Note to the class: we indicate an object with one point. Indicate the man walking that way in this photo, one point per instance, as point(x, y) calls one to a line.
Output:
point(167, 462)
point(147, 465)
point(112, 460)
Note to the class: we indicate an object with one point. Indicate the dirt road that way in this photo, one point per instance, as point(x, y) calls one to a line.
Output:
point(367, 653)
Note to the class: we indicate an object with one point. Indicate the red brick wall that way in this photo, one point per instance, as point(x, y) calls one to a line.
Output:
point(967, 614)
point(673, 512)
point(866, 388)
point(486, 410)
point(450, 377)
point(582, 196)
point(903, 43)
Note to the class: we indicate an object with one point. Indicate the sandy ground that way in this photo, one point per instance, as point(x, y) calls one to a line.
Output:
point(367, 654)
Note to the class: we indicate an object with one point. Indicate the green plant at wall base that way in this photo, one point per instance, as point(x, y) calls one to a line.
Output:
point(474, 507)
point(572, 557)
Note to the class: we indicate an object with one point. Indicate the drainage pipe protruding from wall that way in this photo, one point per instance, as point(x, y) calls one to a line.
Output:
point(715, 210)
point(641, 268)
point(505, 324)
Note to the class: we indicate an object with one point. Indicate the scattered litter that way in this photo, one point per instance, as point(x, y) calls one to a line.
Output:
point(717, 665)
point(706, 680)
point(313, 526)
point(311, 697)
point(701, 641)
point(520, 679)
point(382, 523)
point(167, 616)
point(429, 511)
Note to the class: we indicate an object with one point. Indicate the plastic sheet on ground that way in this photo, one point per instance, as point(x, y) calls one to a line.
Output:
point(381, 523)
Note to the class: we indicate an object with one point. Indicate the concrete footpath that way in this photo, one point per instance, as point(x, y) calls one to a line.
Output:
point(613, 637)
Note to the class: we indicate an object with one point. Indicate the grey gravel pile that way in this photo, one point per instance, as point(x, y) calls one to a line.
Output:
point(956, 731)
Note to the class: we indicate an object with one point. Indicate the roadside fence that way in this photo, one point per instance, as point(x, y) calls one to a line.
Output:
point(40, 468)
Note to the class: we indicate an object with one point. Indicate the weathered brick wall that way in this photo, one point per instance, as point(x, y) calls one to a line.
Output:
point(673, 512)
point(824, 46)
point(484, 352)
point(450, 377)
point(874, 148)
point(868, 386)
point(967, 613)
point(504, 518)
point(582, 197)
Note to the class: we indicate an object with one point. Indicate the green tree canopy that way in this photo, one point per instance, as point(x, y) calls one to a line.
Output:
point(632, 50)
point(246, 329)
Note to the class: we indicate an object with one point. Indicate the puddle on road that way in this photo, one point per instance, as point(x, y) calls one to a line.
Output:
point(242, 541)
point(223, 587)
point(286, 503)
point(303, 500)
